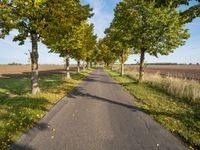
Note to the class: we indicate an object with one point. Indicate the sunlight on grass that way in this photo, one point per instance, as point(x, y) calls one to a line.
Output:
point(175, 114)
point(20, 110)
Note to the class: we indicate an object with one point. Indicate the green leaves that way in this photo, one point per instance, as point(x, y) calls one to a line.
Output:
point(188, 14)
point(141, 27)
point(67, 32)
point(158, 30)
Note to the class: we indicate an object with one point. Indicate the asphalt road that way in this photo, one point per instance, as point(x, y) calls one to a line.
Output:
point(97, 115)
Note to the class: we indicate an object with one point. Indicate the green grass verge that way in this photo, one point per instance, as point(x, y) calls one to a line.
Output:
point(175, 114)
point(20, 110)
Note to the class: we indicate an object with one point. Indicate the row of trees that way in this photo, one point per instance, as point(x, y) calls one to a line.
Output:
point(145, 27)
point(59, 24)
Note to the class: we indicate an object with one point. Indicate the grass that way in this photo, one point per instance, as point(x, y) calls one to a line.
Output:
point(180, 88)
point(20, 110)
point(179, 115)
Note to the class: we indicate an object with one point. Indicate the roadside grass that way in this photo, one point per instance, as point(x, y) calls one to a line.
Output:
point(19, 110)
point(179, 115)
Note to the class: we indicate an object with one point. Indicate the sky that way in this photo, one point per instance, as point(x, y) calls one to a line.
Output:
point(103, 14)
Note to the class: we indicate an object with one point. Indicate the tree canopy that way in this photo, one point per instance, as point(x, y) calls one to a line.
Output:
point(41, 20)
point(144, 27)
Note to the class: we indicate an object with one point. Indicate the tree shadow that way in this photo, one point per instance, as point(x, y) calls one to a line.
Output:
point(188, 120)
point(31, 134)
point(20, 147)
point(79, 92)
point(20, 111)
point(41, 73)
point(19, 114)
point(93, 78)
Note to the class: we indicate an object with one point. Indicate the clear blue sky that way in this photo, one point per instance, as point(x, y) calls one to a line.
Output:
point(103, 10)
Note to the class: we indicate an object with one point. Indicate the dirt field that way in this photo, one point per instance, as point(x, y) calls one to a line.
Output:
point(12, 71)
point(180, 71)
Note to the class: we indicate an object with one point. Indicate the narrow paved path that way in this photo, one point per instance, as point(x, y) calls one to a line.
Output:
point(97, 115)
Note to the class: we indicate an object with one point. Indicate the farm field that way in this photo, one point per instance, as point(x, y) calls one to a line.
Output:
point(13, 71)
point(179, 71)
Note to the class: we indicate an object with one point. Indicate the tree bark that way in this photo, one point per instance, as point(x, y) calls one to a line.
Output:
point(34, 64)
point(141, 70)
point(67, 67)
point(83, 66)
point(122, 69)
point(78, 66)
point(122, 64)
point(112, 67)
point(88, 65)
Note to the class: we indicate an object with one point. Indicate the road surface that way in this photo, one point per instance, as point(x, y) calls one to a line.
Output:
point(97, 115)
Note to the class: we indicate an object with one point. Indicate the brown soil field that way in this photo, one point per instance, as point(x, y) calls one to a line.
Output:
point(179, 71)
point(13, 71)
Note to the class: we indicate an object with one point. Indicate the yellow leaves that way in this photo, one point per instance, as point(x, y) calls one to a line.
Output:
point(53, 133)
point(21, 112)
point(52, 137)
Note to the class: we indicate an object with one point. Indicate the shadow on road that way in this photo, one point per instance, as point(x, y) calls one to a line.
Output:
point(21, 147)
point(31, 134)
point(79, 92)
point(96, 79)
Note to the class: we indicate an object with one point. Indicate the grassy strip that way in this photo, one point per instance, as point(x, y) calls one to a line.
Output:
point(175, 114)
point(19, 110)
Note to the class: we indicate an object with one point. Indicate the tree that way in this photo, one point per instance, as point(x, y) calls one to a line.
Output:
point(149, 29)
point(61, 30)
point(120, 46)
point(90, 42)
point(84, 43)
point(105, 52)
point(35, 19)
point(27, 17)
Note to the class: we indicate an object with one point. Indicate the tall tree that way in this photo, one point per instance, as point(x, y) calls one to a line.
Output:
point(90, 42)
point(35, 19)
point(149, 29)
point(84, 42)
point(61, 30)
point(27, 18)
point(120, 46)
point(106, 53)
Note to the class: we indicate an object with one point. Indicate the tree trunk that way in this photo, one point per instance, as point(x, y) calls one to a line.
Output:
point(83, 66)
point(112, 67)
point(141, 70)
point(67, 67)
point(34, 64)
point(122, 69)
point(122, 64)
point(88, 65)
point(91, 65)
point(78, 66)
